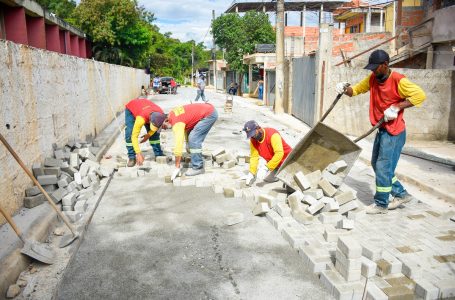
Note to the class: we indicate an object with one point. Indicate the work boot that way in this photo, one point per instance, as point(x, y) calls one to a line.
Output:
point(194, 172)
point(397, 201)
point(374, 209)
point(131, 162)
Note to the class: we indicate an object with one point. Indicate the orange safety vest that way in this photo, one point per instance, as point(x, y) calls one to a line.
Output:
point(265, 148)
point(143, 108)
point(190, 114)
point(382, 96)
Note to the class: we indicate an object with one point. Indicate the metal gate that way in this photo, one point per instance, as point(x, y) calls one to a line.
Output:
point(303, 88)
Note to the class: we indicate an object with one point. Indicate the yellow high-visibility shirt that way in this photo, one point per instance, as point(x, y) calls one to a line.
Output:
point(138, 123)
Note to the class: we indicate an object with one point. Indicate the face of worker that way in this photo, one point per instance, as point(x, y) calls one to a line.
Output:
point(382, 72)
point(166, 125)
point(258, 135)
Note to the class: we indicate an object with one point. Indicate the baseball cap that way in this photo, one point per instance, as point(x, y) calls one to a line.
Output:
point(377, 57)
point(157, 118)
point(250, 128)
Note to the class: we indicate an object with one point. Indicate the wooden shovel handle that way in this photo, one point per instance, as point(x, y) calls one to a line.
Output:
point(16, 157)
point(11, 222)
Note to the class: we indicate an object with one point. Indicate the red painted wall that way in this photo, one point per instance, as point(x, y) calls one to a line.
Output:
point(82, 48)
point(36, 32)
point(67, 43)
point(52, 38)
point(88, 49)
point(15, 25)
point(61, 34)
point(74, 45)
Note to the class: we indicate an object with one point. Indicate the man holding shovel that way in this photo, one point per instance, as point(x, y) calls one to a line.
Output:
point(267, 143)
point(390, 94)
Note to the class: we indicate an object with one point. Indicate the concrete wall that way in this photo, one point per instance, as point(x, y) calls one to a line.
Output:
point(47, 97)
point(432, 121)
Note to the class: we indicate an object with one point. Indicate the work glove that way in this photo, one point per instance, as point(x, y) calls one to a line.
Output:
point(341, 87)
point(262, 171)
point(271, 176)
point(391, 113)
point(176, 173)
point(250, 178)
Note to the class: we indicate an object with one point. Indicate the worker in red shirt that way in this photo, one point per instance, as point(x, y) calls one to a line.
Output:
point(193, 121)
point(390, 94)
point(138, 113)
point(268, 144)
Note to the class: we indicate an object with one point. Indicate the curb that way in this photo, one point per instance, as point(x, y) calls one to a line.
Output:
point(13, 263)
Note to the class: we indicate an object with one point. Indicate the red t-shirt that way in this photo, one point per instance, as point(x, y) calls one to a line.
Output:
point(143, 108)
point(265, 148)
point(190, 114)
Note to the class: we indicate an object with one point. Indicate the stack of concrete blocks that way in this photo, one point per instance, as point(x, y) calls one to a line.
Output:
point(71, 176)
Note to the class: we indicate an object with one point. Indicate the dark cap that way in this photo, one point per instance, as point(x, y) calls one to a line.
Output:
point(157, 118)
point(377, 57)
point(250, 128)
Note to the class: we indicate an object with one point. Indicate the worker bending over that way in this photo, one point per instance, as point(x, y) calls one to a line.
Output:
point(267, 143)
point(390, 94)
point(138, 113)
point(193, 121)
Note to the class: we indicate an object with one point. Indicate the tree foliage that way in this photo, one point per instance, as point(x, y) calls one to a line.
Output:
point(62, 8)
point(238, 35)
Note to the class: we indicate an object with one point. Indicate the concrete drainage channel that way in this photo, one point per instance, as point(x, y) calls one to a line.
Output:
point(74, 178)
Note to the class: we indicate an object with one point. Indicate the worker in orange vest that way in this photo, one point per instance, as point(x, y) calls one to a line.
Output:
point(268, 144)
point(138, 113)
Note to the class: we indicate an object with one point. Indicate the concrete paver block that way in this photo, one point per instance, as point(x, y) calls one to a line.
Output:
point(81, 206)
point(348, 274)
point(335, 180)
point(86, 182)
point(74, 160)
point(411, 268)
point(368, 267)
point(270, 200)
point(327, 188)
point(315, 193)
point(346, 188)
point(351, 205)
point(283, 210)
point(67, 208)
point(47, 179)
point(302, 217)
point(260, 209)
point(399, 292)
point(426, 290)
point(357, 214)
point(329, 217)
point(234, 218)
point(228, 164)
point(32, 201)
point(344, 197)
point(275, 219)
point(314, 178)
point(310, 200)
point(331, 205)
point(313, 209)
point(296, 196)
point(228, 192)
point(83, 169)
point(161, 159)
point(395, 264)
point(293, 236)
point(58, 194)
point(63, 183)
point(333, 234)
point(69, 199)
point(348, 263)
point(302, 181)
point(52, 162)
point(222, 158)
point(349, 246)
point(330, 279)
point(337, 167)
point(373, 292)
point(345, 224)
point(52, 171)
point(32, 191)
point(37, 170)
point(217, 152)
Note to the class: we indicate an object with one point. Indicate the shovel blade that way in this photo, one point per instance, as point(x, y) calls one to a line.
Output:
point(39, 251)
point(68, 240)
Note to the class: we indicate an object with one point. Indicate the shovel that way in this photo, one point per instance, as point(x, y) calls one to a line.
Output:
point(66, 240)
point(35, 250)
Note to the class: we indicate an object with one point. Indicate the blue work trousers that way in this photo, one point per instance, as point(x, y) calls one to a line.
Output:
point(154, 140)
point(384, 160)
point(200, 94)
point(197, 136)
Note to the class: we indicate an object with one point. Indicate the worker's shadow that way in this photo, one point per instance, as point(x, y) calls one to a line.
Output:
point(364, 192)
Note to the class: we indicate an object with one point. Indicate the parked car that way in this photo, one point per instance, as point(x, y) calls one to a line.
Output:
point(165, 85)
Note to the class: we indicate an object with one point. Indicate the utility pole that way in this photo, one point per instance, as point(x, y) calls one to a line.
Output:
point(192, 63)
point(214, 52)
point(279, 84)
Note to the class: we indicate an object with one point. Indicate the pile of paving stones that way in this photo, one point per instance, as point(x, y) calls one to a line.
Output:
point(71, 177)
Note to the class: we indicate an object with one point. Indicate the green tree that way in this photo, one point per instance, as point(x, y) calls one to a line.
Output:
point(61, 8)
point(239, 35)
point(120, 30)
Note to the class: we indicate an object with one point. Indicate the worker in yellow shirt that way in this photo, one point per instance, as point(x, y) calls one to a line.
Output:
point(194, 121)
point(138, 113)
point(390, 94)
point(268, 144)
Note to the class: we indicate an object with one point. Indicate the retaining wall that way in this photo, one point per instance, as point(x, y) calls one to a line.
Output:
point(46, 98)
